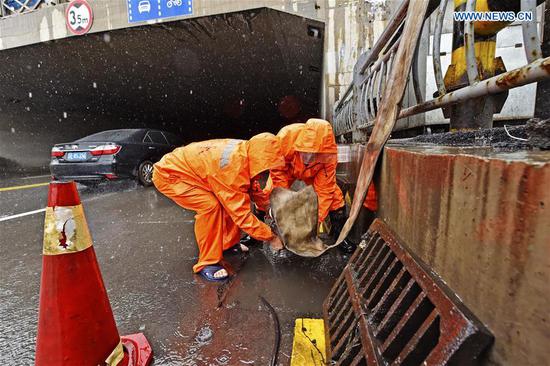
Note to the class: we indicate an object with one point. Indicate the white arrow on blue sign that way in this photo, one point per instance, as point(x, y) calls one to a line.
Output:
point(143, 10)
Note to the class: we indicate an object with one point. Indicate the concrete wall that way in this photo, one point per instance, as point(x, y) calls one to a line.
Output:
point(481, 221)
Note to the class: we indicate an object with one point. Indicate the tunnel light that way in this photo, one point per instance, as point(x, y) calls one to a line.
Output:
point(57, 152)
point(108, 149)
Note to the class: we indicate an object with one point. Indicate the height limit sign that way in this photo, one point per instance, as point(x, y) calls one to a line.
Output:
point(79, 17)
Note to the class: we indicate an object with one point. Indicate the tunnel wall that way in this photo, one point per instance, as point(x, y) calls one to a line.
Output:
point(482, 223)
point(47, 23)
point(231, 75)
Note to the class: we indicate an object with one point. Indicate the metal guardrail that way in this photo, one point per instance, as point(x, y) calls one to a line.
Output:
point(358, 107)
point(16, 7)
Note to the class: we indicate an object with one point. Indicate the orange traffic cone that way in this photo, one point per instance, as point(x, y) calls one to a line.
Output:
point(75, 322)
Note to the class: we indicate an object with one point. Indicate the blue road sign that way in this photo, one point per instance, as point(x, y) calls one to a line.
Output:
point(143, 10)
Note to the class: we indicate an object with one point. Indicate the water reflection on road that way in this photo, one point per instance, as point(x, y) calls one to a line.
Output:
point(145, 246)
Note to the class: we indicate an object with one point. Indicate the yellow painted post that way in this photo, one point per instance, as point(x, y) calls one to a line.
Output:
point(308, 348)
point(478, 113)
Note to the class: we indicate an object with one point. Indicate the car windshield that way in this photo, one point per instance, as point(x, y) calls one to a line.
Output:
point(113, 135)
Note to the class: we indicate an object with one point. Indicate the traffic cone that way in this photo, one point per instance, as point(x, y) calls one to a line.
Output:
point(75, 321)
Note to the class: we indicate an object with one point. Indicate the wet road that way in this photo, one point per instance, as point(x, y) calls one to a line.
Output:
point(146, 249)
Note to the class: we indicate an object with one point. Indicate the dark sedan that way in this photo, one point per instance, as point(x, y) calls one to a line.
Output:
point(114, 154)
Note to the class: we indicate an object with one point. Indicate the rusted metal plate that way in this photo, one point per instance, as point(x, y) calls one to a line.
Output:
point(481, 219)
point(390, 106)
point(387, 307)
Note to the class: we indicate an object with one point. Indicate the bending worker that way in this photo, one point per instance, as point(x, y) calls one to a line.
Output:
point(311, 155)
point(215, 178)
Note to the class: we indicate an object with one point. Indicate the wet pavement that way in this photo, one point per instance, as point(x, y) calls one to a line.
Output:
point(146, 249)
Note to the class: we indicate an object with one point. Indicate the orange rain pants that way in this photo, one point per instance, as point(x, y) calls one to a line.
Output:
point(215, 178)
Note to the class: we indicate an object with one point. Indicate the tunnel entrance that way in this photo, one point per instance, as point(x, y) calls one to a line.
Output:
point(231, 75)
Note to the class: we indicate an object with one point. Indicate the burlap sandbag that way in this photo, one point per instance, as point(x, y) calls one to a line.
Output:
point(295, 217)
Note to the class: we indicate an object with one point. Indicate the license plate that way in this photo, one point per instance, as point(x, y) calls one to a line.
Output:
point(76, 156)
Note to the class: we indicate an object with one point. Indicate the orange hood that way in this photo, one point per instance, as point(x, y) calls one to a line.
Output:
point(316, 137)
point(264, 153)
point(288, 135)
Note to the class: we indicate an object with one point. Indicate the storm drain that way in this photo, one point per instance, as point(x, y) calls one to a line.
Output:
point(388, 308)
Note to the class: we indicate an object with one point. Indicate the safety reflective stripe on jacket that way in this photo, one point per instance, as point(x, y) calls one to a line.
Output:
point(221, 167)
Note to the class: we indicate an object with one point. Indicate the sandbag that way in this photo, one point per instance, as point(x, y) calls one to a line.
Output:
point(294, 215)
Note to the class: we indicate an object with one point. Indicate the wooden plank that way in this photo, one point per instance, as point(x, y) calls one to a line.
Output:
point(391, 105)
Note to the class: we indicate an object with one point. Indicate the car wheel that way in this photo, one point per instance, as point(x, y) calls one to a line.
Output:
point(145, 173)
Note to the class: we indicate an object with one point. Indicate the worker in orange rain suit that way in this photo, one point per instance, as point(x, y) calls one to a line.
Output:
point(311, 155)
point(214, 178)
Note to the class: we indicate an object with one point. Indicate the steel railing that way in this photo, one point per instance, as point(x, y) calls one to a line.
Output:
point(16, 7)
point(358, 107)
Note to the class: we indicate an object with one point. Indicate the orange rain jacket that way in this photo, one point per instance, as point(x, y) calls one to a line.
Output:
point(215, 178)
point(371, 200)
point(315, 136)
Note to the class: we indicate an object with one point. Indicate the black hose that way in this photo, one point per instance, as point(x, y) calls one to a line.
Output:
point(276, 329)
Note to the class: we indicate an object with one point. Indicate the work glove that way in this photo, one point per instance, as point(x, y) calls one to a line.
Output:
point(337, 220)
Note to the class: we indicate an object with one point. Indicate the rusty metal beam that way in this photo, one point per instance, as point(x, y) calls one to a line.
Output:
point(531, 39)
point(436, 50)
point(534, 72)
point(469, 42)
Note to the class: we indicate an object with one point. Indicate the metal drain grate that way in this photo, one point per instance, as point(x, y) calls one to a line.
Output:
point(388, 308)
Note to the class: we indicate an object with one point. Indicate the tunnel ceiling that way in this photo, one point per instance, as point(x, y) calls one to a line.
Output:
point(201, 78)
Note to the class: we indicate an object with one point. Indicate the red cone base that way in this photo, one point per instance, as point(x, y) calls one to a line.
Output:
point(137, 350)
